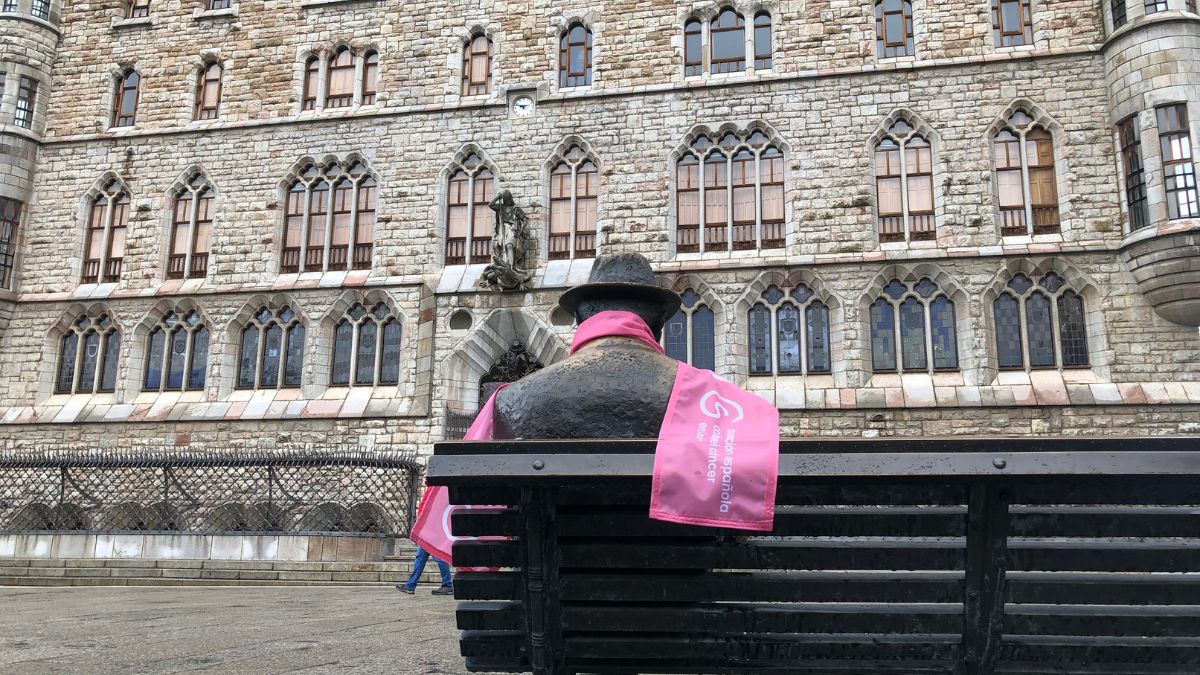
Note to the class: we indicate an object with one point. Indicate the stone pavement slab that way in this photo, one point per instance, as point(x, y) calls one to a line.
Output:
point(262, 631)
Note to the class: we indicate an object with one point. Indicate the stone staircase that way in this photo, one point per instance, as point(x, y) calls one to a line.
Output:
point(148, 572)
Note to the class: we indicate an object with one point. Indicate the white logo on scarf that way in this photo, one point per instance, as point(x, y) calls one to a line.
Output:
point(719, 407)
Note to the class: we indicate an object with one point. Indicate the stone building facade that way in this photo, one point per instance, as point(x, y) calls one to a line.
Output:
point(982, 226)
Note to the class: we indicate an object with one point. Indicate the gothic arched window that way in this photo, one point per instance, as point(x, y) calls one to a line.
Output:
point(904, 185)
point(789, 333)
point(762, 41)
point(1030, 316)
point(176, 354)
point(1012, 23)
point(271, 355)
point(191, 230)
point(208, 92)
point(312, 78)
point(125, 99)
point(894, 28)
point(574, 185)
point(87, 357)
point(477, 66)
point(690, 335)
point(575, 57)
point(320, 235)
point(727, 36)
point(108, 216)
point(370, 79)
point(366, 347)
point(469, 222)
point(1023, 153)
point(735, 187)
point(920, 318)
point(339, 84)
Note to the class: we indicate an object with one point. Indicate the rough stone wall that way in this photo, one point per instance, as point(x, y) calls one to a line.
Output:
point(822, 101)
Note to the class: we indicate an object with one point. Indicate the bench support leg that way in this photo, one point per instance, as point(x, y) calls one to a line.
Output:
point(543, 614)
point(987, 560)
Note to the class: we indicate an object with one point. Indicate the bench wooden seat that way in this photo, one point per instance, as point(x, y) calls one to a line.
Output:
point(958, 556)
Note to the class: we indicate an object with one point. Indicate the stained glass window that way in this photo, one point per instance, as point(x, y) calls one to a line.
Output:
point(272, 343)
point(366, 347)
point(88, 354)
point(176, 353)
point(1039, 325)
point(918, 317)
point(689, 335)
point(735, 188)
point(789, 333)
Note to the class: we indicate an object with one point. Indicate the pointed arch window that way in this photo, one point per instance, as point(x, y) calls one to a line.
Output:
point(87, 357)
point(176, 354)
point(1135, 174)
point(10, 219)
point(271, 355)
point(104, 251)
point(312, 79)
point(208, 92)
point(575, 57)
point(913, 329)
point(735, 188)
point(690, 335)
point(370, 78)
point(125, 100)
point(1023, 153)
point(469, 223)
point(320, 235)
point(1012, 23)
point(573, 206)
point(1040, 323)
point(339, 86)
point(763, 58)
point(477, 66)
point(366, 349)
point(138, 9)
point(191, 230)
point(904, 185)
point(1119, 13)
point(789, 333)
point(728, 41)
point(894, 29)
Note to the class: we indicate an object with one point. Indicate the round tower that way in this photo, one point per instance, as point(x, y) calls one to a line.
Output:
point(28, 40)
point(1152, 57)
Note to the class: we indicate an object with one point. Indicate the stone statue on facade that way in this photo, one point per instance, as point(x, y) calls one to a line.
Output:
point(507, 271)
point(613, 387)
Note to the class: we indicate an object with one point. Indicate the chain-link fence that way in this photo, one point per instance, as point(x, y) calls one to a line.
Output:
point(302, 490)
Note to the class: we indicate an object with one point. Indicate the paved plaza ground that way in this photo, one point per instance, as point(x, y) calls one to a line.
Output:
point(226, 630)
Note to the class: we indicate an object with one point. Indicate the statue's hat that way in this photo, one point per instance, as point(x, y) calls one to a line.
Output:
point(621, 276)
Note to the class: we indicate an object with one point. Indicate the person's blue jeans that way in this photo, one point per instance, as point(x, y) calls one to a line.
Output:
point(419, 567)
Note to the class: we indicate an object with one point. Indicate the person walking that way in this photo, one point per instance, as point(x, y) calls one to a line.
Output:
point(422, 557)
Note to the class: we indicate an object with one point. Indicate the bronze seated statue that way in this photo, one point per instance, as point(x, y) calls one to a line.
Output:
point(613, 387)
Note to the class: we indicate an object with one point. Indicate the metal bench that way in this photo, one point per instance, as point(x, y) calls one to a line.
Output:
point(967, 556)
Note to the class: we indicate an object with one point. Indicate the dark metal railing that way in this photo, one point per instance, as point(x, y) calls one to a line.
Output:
point(339, 489)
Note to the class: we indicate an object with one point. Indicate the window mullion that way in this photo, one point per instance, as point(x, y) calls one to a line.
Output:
point(350, 240)
point(77, 376)
point(328, 243)
point(802, 329)
point(572, 220)
point(281, 363)
point(353, 379)
point(757, 201)
point(360, 83)
point(1023, 323)
point(773, 339)
point(703, 180)
point(322, 83)
point(378, 352)
point(259, 352)
point(1027, 195)
point(105, 250)
point(191, 238)
point(904, 188)
point(928, 346)
point(305, 226)
point(185, 381)
point(164, 362)
point(898, 336)
point(729, 203)
point(470, 219)
point(1055, 332)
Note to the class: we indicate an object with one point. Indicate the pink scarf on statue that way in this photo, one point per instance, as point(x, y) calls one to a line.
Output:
point(717, 459)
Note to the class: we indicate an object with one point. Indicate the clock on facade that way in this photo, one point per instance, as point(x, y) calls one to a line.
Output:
point(522, 106)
